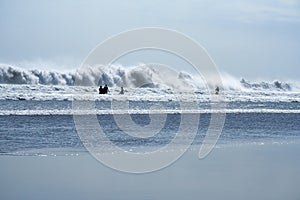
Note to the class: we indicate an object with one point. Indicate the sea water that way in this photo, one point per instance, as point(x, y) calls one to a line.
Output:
point(36, 111)
point(46, 127)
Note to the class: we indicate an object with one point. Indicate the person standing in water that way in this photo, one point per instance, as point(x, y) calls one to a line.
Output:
point(105, 89)
point(217, 90)
point(100, 90)
point(122, 90)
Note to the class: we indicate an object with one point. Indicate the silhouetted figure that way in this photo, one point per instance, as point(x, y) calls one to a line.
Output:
point(217, 90)
point(105, 89)
point(100, 90)
point(122, 90)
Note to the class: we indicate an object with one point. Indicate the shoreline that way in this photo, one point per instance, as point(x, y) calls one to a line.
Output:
point(244, 172)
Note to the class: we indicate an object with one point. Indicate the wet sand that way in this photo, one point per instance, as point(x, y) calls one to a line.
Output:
point(245, 172)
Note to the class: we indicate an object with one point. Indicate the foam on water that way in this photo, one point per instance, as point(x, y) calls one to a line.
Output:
point(21, 84)
point(60, 93)
point(36, 106)
point(133, 76)
point(120, 112)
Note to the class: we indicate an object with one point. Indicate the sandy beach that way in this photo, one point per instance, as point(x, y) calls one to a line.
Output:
point(245, 172)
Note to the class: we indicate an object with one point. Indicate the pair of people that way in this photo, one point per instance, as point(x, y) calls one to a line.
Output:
point(103, 90)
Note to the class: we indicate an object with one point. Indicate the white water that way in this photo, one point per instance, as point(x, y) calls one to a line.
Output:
point(130, 77)
point(241, 96)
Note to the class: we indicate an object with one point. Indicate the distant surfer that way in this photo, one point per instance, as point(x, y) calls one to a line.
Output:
point(217, 90)
point(122, 90)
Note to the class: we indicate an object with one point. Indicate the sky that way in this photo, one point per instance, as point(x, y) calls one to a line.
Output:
point(255, 39)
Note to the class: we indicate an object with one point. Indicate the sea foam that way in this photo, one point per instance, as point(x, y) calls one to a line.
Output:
point(133, 76)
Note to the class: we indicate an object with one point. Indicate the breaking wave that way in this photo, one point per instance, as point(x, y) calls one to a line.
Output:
point(117, 75)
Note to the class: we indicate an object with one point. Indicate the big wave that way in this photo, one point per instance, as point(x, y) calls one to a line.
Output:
point(135, 76)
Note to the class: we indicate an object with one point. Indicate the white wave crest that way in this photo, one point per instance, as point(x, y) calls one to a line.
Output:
point(134, 76)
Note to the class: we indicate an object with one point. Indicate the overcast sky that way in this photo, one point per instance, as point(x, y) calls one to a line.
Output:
point(246, 38)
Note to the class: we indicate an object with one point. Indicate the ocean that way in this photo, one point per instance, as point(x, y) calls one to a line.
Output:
point(37, 110)
point(49, 125)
